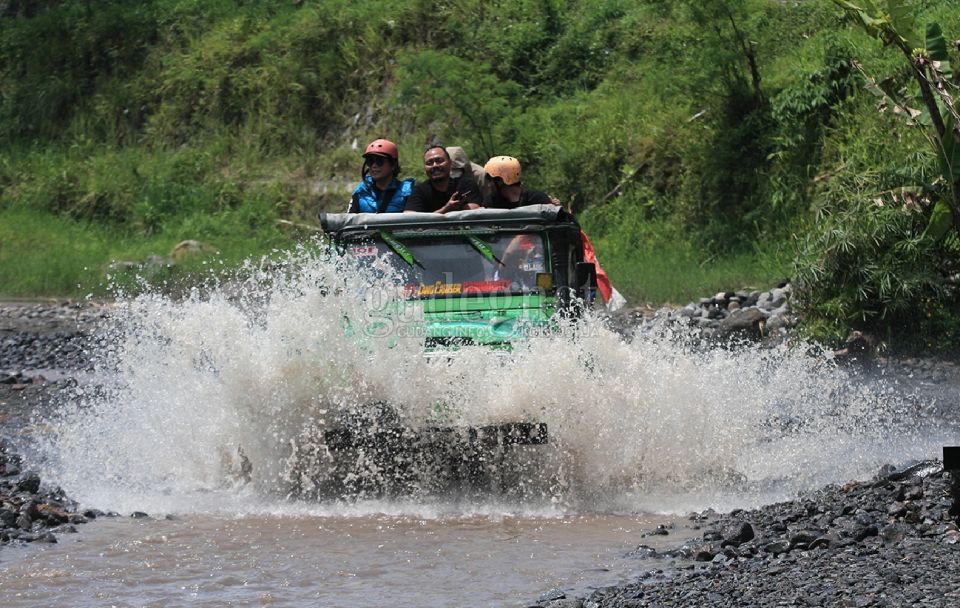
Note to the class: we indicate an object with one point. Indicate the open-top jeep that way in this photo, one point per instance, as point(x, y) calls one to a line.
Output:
point(478, 278)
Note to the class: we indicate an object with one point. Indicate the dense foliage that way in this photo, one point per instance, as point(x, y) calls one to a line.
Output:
point(683, 131)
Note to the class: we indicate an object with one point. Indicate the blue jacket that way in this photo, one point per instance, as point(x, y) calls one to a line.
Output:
point(392, 200)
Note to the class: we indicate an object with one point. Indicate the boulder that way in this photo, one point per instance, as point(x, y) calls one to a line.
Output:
point(749, 321)
point(740, 534)
point(188, 249)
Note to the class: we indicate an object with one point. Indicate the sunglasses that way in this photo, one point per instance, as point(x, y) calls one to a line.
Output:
point(376, 161)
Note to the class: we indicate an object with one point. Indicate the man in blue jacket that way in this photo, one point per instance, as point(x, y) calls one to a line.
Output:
point(379, 190)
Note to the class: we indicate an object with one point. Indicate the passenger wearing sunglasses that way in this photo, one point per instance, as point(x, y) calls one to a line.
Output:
point(379, 190)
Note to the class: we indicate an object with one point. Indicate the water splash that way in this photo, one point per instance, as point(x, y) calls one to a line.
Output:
point(190, 391)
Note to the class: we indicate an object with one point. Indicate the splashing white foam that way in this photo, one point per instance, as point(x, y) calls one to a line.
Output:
point(654, 423)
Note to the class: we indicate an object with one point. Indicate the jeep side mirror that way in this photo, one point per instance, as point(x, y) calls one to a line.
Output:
point(585, 281)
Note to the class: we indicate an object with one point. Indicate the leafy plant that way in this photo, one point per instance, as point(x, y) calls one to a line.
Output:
point(454, 96)
point(882, 252)
point(893, 23)
point(866, 265)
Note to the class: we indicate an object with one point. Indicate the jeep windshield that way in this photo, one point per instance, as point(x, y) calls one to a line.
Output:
point(459, 264)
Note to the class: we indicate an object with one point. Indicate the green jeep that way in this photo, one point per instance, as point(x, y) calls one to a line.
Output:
point(479, 278)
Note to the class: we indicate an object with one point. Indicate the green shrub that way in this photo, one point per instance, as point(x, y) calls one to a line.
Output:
point(863, 261)
point(454, 96)
point(53, 61)
point(655, 261)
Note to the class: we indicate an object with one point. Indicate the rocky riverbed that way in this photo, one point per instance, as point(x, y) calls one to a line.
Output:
point(41, 346)
point(889, 541)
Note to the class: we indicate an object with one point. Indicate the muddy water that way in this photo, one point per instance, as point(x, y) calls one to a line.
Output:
point(325, 561)
point(656, 424)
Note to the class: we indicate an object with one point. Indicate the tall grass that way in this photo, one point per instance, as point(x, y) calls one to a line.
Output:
point(653, 261)
point(676, 273)
point(42, 254)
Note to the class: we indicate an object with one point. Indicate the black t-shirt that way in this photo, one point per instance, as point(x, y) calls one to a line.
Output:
point(426, 198)
point(527, 197)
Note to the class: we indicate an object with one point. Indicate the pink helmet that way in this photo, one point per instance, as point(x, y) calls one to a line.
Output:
point(383, 147)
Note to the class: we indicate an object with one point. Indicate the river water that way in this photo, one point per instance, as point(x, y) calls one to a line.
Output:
point(205, 413)
point(312, 560)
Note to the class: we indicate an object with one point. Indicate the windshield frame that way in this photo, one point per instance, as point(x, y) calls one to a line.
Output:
point(524, 280)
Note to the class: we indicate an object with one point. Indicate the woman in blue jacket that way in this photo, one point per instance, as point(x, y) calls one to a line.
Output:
point(380, 191)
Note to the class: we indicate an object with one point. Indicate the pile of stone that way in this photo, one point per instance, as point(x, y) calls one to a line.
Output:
point(892, 541)
point(50, 350)
point(36, 338)
point(739, 314)
point(30, 512)
point(728, 315)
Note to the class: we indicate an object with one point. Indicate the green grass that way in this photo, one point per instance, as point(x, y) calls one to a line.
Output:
point(675, 273)
point(41, 254)
point(655, 260)
point(47, 255)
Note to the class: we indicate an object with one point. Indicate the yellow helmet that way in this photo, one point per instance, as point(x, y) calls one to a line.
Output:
point(507, 168)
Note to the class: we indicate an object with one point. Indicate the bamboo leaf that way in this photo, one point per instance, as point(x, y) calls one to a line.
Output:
point(903, 23)
point(936, 47)
point(949, 156)
point(941, 220)
point(868, 15)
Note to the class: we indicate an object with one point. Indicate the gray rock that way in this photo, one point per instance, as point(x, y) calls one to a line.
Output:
point(31, 509)
point(705, 554)
point(776, 325)
point(744, 320)
point(895, 533)
point(776, 548)
point(552, 595)
point(643, 552)
point(738, 535)
point(802, 539)
point(30, 483)
point(866, 532)
point(8, 517)
point(897, 509)
point(778, 297)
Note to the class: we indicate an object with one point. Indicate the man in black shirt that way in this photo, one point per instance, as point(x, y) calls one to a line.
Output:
point(442, 193)
point(508, 190)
